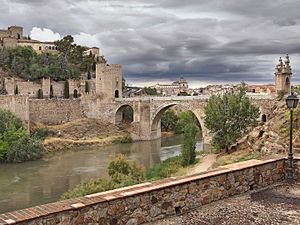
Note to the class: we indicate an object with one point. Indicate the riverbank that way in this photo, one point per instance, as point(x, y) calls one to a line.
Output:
point(42, 181)
point(81, 133)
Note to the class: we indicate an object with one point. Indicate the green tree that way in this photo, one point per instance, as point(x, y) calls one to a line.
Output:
point(228, 116)
point(150, 91)
point(188, 149)
point(16, 90)
point(66, 89)
point(89, 75)
point(51, 91)
point(65, 45)
point(87, 87)
point(185, 118)
point(183, 94)
point(127, 114)
point(40, 94)
point(169, 120)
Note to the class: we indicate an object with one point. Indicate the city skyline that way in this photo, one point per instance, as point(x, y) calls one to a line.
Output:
point(206, 42)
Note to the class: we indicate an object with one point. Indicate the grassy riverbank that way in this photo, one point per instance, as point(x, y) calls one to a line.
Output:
point(83, 132)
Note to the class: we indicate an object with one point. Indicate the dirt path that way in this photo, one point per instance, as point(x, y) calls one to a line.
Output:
point(205, 164)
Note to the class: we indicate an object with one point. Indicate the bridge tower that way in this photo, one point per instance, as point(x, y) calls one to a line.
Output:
point(283, 73)
point(109, 81)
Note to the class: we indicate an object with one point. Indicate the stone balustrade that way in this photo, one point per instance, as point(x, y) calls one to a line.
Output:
point(153, 201)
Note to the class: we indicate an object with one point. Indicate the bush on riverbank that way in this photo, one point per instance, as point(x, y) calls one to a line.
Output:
point(16, 145)
point(165, 168)
point(123, 140)
point(122, 173)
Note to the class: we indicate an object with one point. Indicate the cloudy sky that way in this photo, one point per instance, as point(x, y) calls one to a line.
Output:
point(212, 41)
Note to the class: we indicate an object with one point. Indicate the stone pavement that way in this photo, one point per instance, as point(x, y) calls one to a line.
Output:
point(279, 204)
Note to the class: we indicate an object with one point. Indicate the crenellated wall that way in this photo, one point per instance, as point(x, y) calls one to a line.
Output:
point(153, 201)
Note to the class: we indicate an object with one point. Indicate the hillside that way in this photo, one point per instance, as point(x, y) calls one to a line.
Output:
point(271, 137)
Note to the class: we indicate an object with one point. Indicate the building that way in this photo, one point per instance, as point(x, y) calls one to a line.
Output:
point(219, 89)
point(261, 89)
point(177, 87)
point(13, 37)
point(105, 83)
point(283, 73)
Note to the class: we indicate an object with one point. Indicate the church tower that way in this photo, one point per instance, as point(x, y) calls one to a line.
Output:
point(283, 73)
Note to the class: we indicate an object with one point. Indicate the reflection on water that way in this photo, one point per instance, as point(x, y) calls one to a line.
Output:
point(33, 183)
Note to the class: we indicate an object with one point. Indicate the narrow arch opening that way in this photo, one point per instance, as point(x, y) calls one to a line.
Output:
point(264, 118)
point(75, 94)
point(124, 115)
point(287, 85)
point(116, 93)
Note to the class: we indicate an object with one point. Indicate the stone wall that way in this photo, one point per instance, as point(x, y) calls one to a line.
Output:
point(50, 111)
point(18, 105)
point(152, 201)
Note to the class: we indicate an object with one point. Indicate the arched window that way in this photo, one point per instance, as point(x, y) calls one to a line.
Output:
point(116, 94)
point(19, 36)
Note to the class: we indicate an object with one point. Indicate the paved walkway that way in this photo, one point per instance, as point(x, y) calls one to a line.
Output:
point(205, 164)
point(275, 205)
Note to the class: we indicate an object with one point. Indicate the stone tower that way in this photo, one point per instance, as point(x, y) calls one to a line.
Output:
point(16, 32)
point(109, 81)
point(283, 73)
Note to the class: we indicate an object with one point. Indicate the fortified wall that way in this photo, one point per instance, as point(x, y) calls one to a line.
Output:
point(149, 202)
point(47, 111)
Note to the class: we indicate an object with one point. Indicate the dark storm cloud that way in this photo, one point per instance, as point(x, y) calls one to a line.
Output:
point(216, 40)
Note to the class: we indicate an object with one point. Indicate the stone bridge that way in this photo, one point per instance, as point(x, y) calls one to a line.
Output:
point(147, 112)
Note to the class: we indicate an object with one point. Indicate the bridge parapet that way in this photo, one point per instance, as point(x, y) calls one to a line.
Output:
point(187, 98)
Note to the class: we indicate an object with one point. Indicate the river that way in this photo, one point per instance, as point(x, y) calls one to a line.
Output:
point(43, 181)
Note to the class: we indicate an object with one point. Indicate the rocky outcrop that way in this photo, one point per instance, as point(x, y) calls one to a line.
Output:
point(270, 137)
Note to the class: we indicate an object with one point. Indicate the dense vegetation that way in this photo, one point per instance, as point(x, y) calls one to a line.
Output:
point(170, 121)
point(26, 63)
point(122, 173)
point(228, 117)
point(150, 91)
point(16, 145)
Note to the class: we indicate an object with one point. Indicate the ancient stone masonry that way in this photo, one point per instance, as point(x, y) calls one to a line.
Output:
point(54, 112)
point(283, 73)
point(148, 202)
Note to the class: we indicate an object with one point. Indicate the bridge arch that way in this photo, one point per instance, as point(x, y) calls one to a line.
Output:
point(155, 122)
point(120, 117)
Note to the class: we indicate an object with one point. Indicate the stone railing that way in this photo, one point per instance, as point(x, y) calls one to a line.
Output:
point(152, 201)
point(185, 98)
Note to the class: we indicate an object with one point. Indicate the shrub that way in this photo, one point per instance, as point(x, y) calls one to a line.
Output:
point(125, 172)
point(122, 173)
point(92, 186)
point(41, 133)
point(16, 145)
point(123, 140)
point(24, 149)
point(8, 120)
point(164, 169)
